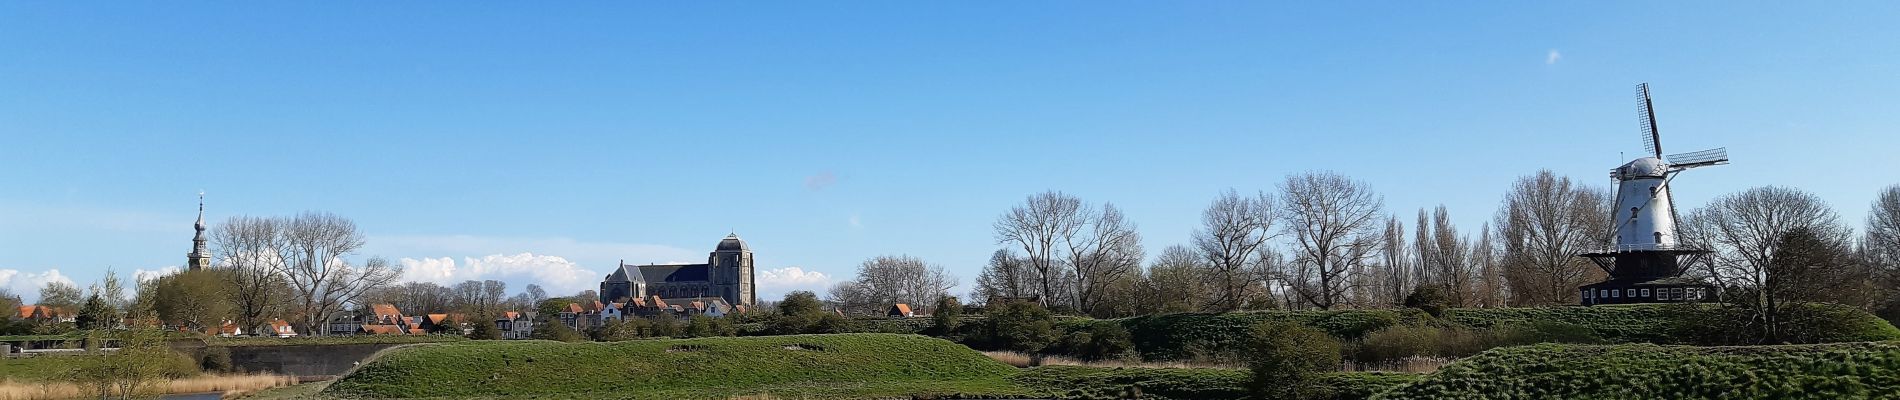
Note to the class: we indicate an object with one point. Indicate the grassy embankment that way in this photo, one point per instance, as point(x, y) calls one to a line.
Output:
point(1549, 371)
point(844, 366)
point(47, 377)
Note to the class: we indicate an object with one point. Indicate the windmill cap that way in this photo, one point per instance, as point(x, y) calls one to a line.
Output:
point(1646, 167)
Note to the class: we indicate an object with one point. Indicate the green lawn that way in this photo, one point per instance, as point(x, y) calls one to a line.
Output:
point(1550, 371)
point(39, 369)
point(799, 366)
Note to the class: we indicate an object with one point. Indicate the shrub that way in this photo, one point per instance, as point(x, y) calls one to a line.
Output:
point(215, 359)
point(485, 329)
point(1107, 341)
point(1429, 299)
point(1288, 360)
point(1020, 326)
point(1556, 371)
point(556, 331)
point(944, 320)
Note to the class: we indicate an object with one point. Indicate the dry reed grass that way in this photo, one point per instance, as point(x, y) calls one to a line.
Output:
point(1419, 365)
point(229, 384)
point(1020, 360)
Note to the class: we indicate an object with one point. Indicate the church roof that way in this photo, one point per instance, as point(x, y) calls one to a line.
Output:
point(732, 243)
point(627, 273)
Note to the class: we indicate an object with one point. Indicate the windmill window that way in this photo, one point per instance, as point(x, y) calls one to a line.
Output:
point(1645, 292)
point(1633, 212)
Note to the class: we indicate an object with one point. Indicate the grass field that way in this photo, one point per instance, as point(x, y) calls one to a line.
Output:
point(1819, 371)
point(799, 366)
point(35, 369)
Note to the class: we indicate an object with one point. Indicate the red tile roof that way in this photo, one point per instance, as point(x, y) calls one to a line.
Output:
point(382, 329)
point(574, 308)
point(386, 313)
point(900, 309)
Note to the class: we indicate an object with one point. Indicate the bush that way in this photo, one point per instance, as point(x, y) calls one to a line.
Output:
point(554, 330)
point(485, 330)
point(1019, 326)
point(1210, 336)
point(704, 326)
point(1288, 360)
point(1555, 371)
point(1429, 299)
point(943, 321)
point(215, 359)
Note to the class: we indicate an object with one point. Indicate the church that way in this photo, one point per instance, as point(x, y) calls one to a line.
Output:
point(727, 274)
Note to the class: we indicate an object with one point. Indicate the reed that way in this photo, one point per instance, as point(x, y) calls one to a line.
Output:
point(229, 384)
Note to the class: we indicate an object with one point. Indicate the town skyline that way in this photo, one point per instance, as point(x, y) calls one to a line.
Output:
point(509, 153)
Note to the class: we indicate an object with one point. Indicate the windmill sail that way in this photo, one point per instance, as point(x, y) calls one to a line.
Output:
point(1646, 116)
point(1715, 156)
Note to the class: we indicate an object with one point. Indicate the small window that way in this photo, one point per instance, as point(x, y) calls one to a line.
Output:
point(1629, 293)
point(1645, 292)
point(1614, 293)
point(1675, 293)
point(1586, 293)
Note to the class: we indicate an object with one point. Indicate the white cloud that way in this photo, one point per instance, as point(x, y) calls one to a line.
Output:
point(776, 282)
point(27, 285)
point(1552, 57)
point(141, 274)
point(555, 274)
point(820, 181)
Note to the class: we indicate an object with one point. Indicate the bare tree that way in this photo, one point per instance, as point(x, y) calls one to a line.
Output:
point(1881, 247)
point(1425, 247)
point(249, 248)
point(1745, 228)
point(1233, 230)
point(1543, 223)
point(1180, 280)
point(1333, 222)
point(1454, 271)
point(1040, 226)
point(1007, 276)
point(886, 280)
point(321, 280)
point(1484, 260)
point(1106, 251)
point(1396, 278)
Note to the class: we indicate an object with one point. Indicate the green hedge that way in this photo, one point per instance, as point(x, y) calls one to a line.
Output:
point(1688, 323)
point(1185, 336)
point(1646, 371)
point(1104, 383)
point(793, 366)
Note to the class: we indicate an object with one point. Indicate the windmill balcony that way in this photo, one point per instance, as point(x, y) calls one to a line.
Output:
point(1624, 248)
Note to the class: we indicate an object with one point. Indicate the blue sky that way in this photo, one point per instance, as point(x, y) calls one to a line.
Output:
point(828, 133)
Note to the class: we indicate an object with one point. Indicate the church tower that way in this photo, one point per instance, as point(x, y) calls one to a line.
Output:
point(730, 270)
point(198, 258)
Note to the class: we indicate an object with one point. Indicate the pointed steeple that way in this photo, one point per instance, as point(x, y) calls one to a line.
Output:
point(198, 258)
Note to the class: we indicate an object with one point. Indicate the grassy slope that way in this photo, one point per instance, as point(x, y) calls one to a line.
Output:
point(1843, 370)
point(37, 369)
point(1090, 383)
point(849, 365)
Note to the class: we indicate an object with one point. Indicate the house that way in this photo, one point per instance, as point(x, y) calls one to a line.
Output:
point(39, 313)
point(613, 312)
point(225, 329)
point(343, 325)
point(281, 329)
point(450, 323)
point(899, 310)
point(379, 329)
point(515, 325)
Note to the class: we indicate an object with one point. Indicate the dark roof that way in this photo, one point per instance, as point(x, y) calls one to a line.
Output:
point(731, 243)
point(626, 273)
point(675, 272)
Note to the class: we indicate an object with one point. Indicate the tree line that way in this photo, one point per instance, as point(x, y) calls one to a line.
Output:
point(1321, 240)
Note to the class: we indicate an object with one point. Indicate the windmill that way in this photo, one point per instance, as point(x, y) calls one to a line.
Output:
point(1648, 259)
